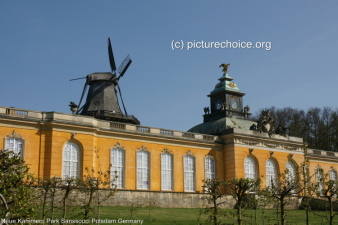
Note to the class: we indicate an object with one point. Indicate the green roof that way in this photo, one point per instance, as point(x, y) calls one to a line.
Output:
point(226, 84)
point(216, 127)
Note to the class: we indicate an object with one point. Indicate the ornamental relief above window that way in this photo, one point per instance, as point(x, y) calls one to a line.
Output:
point(118, 146)
point(143, 148)
point(15, 135)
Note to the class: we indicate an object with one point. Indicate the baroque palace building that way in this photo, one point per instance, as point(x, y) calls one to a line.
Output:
point(167, 165)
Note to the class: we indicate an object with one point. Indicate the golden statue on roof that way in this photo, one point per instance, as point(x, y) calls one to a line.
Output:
point(225, 67)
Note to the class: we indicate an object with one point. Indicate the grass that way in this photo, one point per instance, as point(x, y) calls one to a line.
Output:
point(172, 216)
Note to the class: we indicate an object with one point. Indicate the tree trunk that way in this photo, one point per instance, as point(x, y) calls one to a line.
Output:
point(87, 210)
point(239, 212)
point(307, 212)
point(64, 209)
point(282, 211)
point(239, 216)
point(215, 210)
point(44, 205)
point(331, 211)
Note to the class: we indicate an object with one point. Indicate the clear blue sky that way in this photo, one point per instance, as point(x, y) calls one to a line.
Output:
point(46, 43)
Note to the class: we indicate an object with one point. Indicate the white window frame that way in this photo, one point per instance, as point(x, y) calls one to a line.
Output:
point(15, 145)
point(70, 160)
point(166, 171)
point(189, 173)
point(333, 175)
point(209, 168)
point(319, 174)
point(291, 175)
point(142, 160)
point(271, 172)
point(117, 160)
point(250, 168)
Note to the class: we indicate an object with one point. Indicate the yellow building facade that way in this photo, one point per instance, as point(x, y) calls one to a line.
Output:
point(45, 136)
point(167, 163)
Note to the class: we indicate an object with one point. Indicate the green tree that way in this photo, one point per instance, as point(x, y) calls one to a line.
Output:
point(67, 186)
point(308, 186)
point(287, 187)
point(214, 189)
point(98, 187)
point(48, 188)
point(327, 189)
point(15, 182)
point(239, 188)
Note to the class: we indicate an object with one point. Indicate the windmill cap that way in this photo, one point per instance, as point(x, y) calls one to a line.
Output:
point(104, 76)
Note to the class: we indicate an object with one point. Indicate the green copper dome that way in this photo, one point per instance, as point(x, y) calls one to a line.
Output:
point(218, 126)
point(225, 84)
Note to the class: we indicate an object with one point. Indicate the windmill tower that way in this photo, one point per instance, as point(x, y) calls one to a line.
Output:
point(102, 99)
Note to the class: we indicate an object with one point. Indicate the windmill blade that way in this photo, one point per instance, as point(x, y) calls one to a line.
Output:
point(124, 66)
point(78, 78)
point(118, 86)
point(83, 92)
point(117, 99)
point(111, 57)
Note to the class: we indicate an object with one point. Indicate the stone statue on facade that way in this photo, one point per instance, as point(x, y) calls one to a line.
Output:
point(266, 123)
point(206, 110)
point(73, 107)
point(247, 109)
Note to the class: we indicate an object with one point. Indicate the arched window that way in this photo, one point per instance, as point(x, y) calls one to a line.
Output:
point(291, 175)
point(166, 171)
point(319, 179)
point(117, 167)
point(209, 168)
point(271, 173)
point(71, 156)
point(333, 175)
point(189, 173)
point(291, 171)
point(250, 168)
point(142, 170)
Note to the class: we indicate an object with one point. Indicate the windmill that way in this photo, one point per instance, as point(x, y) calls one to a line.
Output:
point(102, 100)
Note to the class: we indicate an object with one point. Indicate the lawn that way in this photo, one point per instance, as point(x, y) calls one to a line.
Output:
point(172, 216)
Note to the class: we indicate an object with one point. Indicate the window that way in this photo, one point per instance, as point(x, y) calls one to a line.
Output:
point(142, 170)
point(70, 161)
point(291, 174)
point(189, 173)
point(209, 168)
point(319, 179)
point(333, 175)
point(15, 145)
point(117, 167)
point(271, 173)
point(166, 171)
point(250, 168)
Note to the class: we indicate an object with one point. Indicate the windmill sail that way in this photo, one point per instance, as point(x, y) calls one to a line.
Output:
point(124, 65)
point(111, 57)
